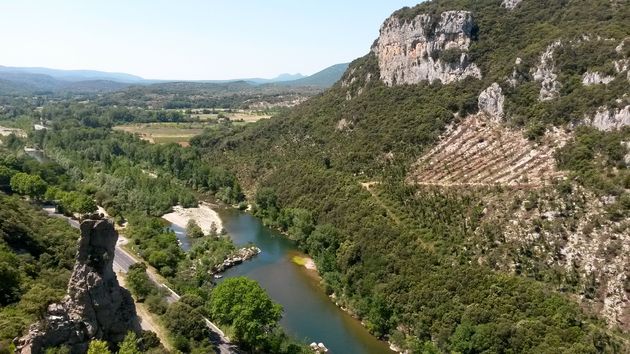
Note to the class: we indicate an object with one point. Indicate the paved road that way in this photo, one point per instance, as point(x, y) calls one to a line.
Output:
point(123, 260)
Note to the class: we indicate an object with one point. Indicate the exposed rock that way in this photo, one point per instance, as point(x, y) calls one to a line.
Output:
point(611, 119)
point(545, 73)
point(342, 124)
point(491, 102)
point(619, 49)
point(409, 52)
point(96, 307)
point(595, 78)
point(580, 239)
point(239, 257)
point(510, 4)
point(516, 76)
point(621, 65)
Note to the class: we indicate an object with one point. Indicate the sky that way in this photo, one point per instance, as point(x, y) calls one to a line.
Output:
point(190, 39)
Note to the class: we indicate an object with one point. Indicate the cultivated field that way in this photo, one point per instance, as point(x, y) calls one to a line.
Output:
point(240, 115)
point(162, 133)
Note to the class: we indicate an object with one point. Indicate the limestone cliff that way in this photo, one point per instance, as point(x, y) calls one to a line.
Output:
point(491, 102)
point(546, 74)
point(426, 48)
point(510, 4)
point(96, 307)
point(606, 119)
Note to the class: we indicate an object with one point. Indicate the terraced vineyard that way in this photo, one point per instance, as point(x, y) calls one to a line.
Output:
point(481, 152)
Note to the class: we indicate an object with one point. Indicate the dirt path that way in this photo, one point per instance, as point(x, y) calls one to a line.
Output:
point(148, 322)
point(368, 186)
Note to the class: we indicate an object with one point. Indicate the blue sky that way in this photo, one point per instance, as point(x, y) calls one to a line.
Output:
point(190, 39)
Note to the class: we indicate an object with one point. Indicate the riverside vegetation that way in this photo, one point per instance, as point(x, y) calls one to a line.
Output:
point(469, 269)
point(45, 247)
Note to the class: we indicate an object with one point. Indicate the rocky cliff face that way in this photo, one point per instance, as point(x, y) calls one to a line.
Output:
point(96, 307)
point(510, 4)
point(491, 102)
point(426, 48)
point(546, 74)
point(611, 119)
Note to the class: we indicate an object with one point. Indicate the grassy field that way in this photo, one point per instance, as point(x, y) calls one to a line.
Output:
point(201, 119)
point(162, 133)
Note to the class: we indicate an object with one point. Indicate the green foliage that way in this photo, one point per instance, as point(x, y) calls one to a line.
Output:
point(36, 300)
point(398, 255)
point(129, 345)
point(36, 255)
point(149, 340)
point(9, 276)
point(597, 159)
point(98, 347)
point(139, 283)
point(242, 304)
point(451, 56)
point(5, 176)
point(182, 319)
point(193, 230)
point(156, 243)
point(31, 185)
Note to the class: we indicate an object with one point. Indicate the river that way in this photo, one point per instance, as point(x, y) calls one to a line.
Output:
point(309, 315)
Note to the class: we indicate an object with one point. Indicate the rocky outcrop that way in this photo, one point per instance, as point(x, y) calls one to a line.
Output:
point(626, 158)
point(611, 119)
point(491, 102)
point(96, 307)
point(426, 48)
point(595, 78)
point(510, 4)
point(239, 257)
point(545, 73)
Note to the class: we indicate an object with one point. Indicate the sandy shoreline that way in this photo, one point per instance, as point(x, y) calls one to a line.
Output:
point(203, 215)
point(304, 261)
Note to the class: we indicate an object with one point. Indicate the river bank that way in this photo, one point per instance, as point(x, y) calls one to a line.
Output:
point(291, 279)
point(296, 288)
point(203, 215)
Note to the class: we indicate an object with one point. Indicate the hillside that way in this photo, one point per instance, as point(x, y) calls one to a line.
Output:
point(25, 83)
point(467, 179)
point(324, 78)
point(74, 75)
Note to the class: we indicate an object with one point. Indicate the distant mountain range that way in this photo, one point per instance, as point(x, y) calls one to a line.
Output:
point(22, 80)
point(74, 75)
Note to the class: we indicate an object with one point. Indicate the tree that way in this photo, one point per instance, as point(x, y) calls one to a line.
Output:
point(129, 345)
point(38, 297)
point(241, 303)
point(9, 277)
point(193, 230)
point(5, 175)
point(139, 282)
point(182, 319)
point(83, 204)
point(31, 185)
point(98, 347)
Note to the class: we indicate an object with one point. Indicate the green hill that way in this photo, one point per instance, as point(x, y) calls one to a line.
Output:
point(443, 263)
point(325, 78)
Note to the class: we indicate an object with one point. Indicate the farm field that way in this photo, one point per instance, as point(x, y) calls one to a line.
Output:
point(246, 116)
point(163, 133)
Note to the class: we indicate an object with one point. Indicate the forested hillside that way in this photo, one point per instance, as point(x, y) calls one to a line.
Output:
point(36, 257)
point(463, 188)
point(523, 263)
